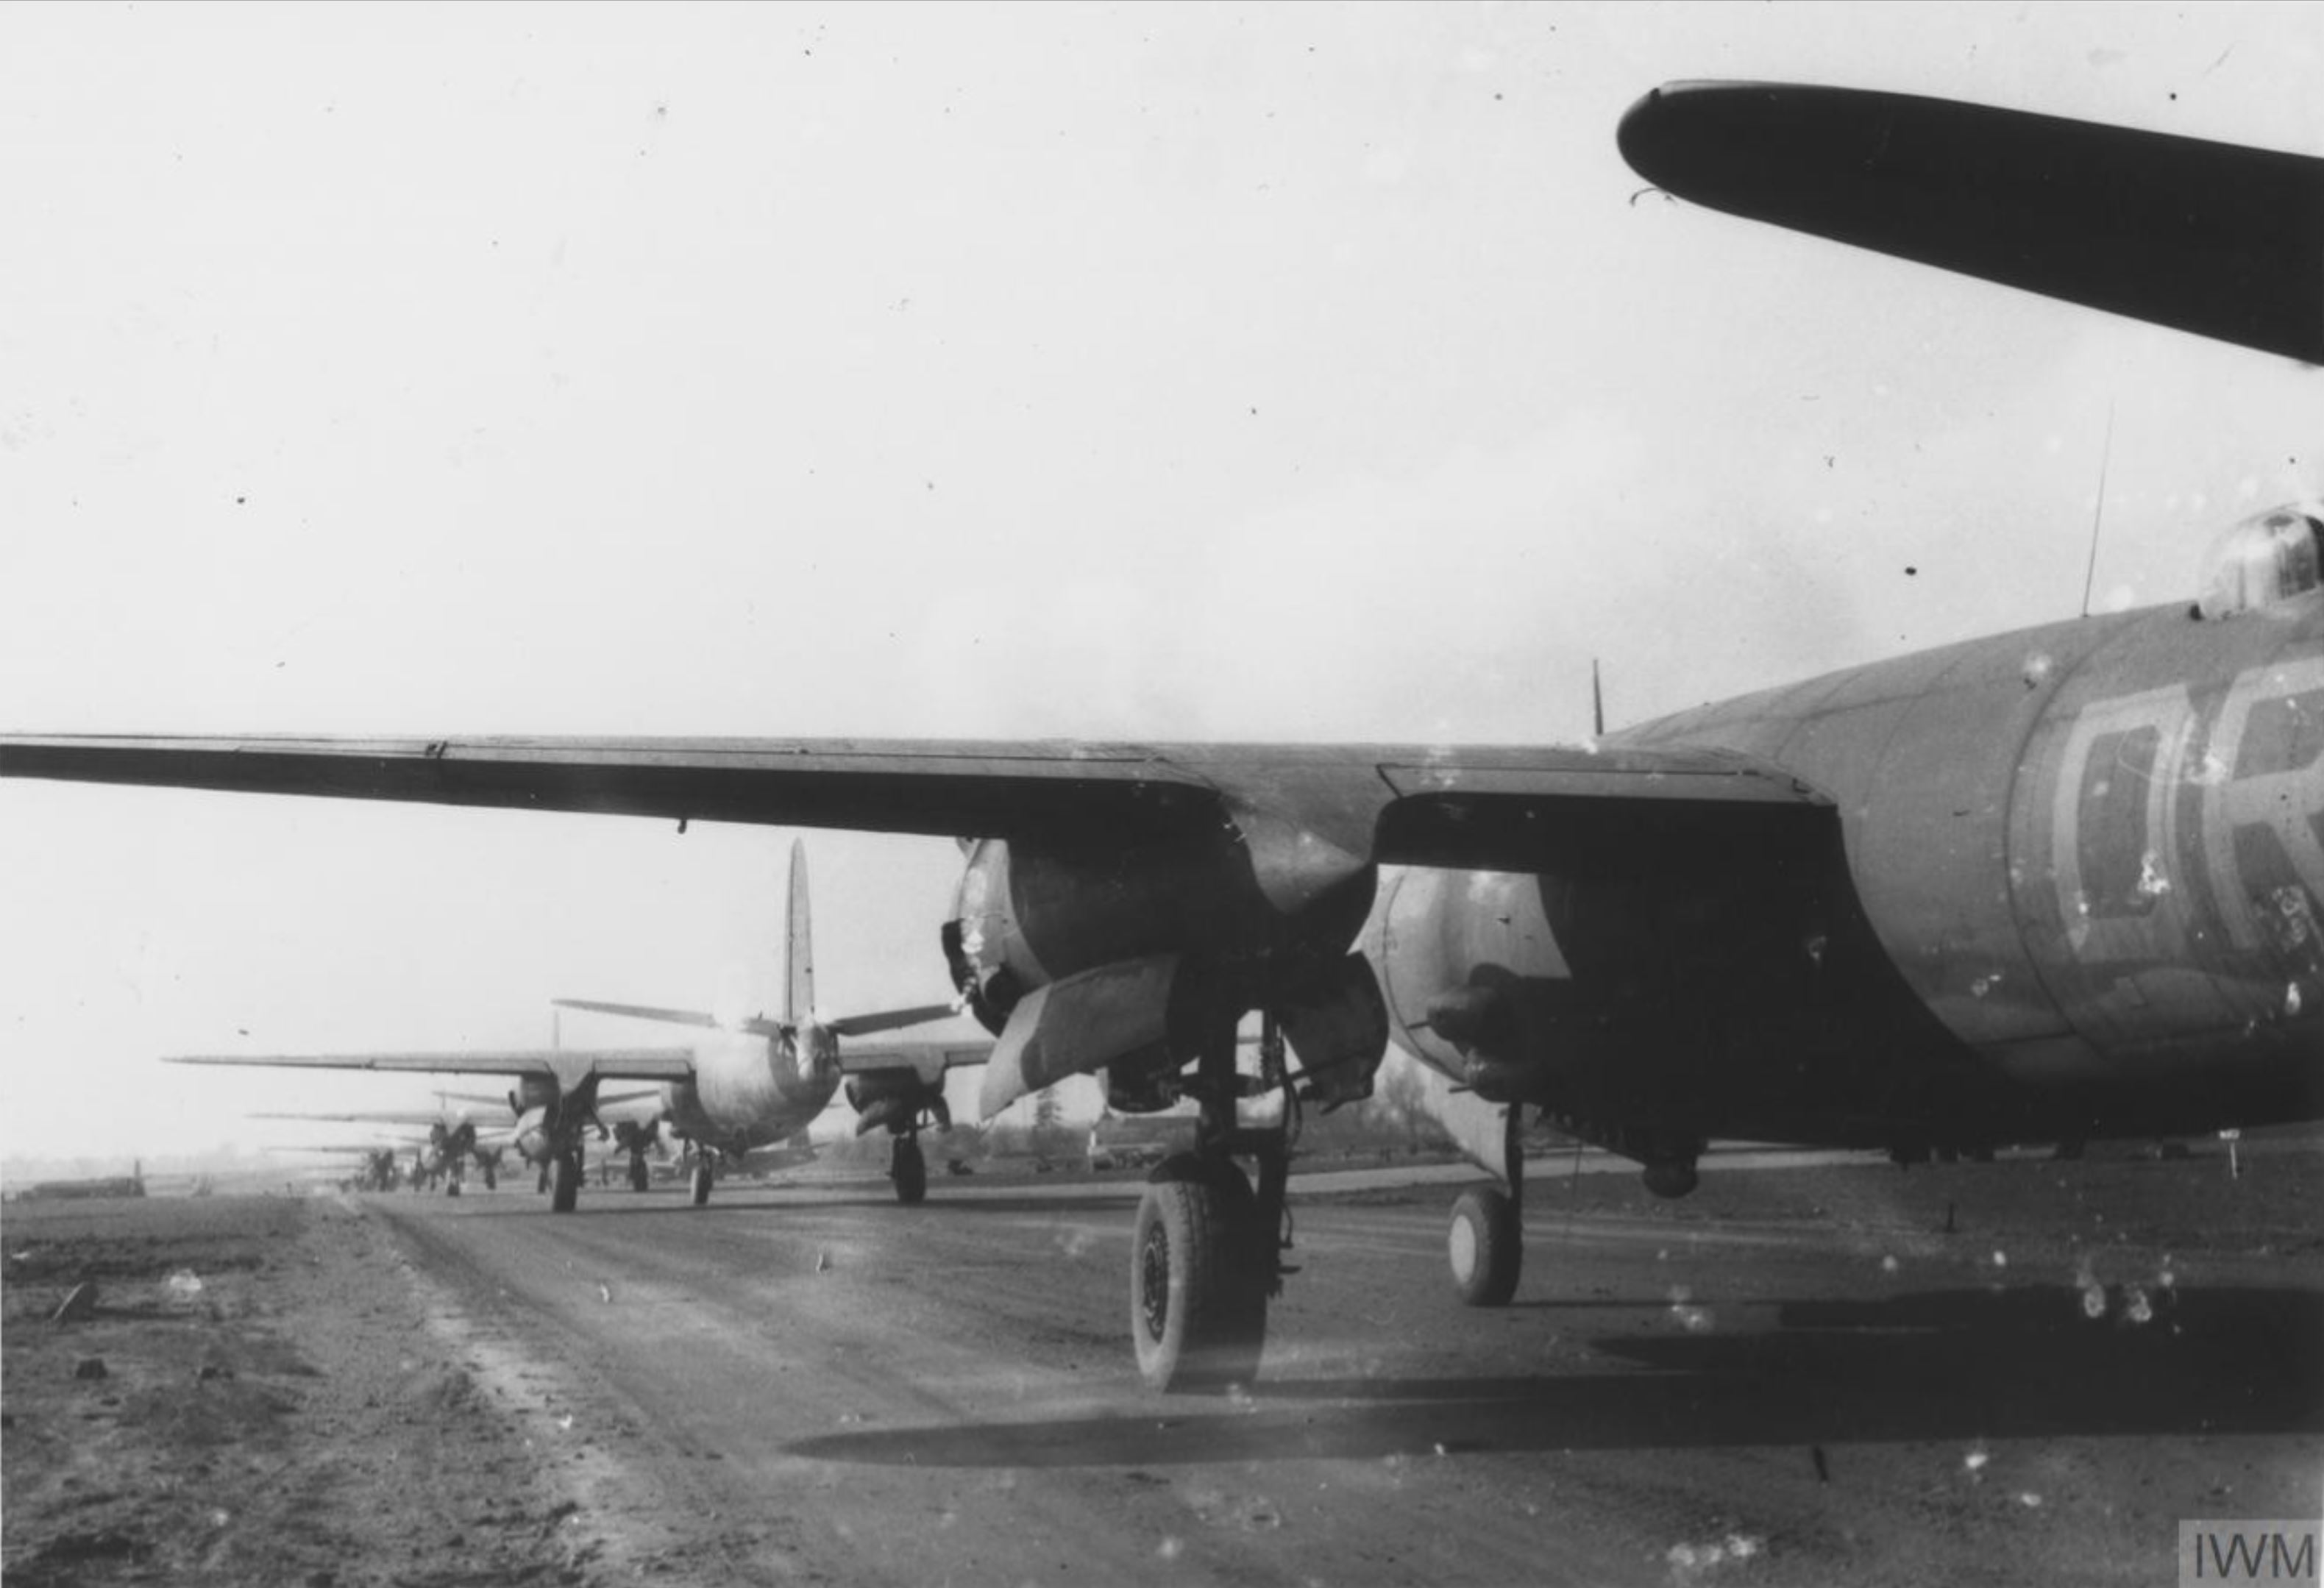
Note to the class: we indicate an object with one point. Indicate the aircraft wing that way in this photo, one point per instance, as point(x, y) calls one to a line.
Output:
point(2218, 239)
point(1490, 807)
point(928, 1060)
point(381, 1117)
point(568, 1066)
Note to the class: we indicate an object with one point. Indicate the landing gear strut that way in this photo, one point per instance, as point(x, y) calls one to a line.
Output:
point(1205, 1262)
point(566, 1195)
point(909, 1169)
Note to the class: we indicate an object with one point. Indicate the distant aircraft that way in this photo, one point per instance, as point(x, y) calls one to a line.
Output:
point(753, 1086)
point(2055, 885)
point(379, 1168)
point(453, 1138)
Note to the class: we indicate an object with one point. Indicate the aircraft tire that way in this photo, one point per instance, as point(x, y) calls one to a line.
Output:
point(452, 1189)
point(491, 1178)
point(565, 1195)
point(639, 1176)
point(1198, 1297)
point(1486, 1246)
point(909, 1170)
point(701, 1181)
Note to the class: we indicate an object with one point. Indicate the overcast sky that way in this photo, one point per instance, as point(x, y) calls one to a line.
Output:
point(1295, 372)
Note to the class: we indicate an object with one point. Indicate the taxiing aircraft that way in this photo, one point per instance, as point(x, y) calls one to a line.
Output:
point(454, 1139)
point(752, 1085)
point(2052, 884)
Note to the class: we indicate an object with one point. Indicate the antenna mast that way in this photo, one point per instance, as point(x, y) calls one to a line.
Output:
point(1597, 702)
point(2098, 510)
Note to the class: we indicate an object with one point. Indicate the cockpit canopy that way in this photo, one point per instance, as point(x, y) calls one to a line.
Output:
point(2268, 558)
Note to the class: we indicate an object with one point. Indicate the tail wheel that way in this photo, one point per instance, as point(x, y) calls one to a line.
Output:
point(1197, 1289)
point(701, 1181)
point(909, 1169)
point(640, 1177)
point(565, 1194)
point(1486, 1245)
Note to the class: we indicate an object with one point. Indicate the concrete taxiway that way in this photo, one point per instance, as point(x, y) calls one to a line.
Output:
point(2023, 1371)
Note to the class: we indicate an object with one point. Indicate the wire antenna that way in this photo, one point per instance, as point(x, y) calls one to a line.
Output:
point(2098, 510)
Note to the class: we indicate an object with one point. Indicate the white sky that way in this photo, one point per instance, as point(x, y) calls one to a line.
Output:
point(1293, 372)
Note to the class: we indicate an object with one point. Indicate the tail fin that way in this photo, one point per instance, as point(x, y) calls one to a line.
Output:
point(798, 947)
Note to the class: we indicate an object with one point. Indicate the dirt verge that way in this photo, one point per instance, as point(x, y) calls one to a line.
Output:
point(257, 1397)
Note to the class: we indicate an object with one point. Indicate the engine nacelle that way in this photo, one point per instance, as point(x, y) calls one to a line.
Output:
point(1136, 959)
point(894, 1100)
point(533, 1135)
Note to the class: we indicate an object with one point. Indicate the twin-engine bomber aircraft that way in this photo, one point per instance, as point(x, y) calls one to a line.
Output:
point(753, 1084)
point(2053, 885)
point(448, 1141)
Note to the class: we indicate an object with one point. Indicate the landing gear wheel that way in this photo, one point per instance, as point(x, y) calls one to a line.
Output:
point(452, 1189)
point(565, 1194)
point(701, 1181)
point(1198, 1290)
point(640, 1177)
point(492, 1177)
point(1486, 1245)
point(909, 1170)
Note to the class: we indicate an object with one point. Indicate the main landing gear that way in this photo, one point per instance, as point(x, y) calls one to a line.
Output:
point(1485, 1244)
point(564, 1194)
point(1205, 1260)
point(909, 1168)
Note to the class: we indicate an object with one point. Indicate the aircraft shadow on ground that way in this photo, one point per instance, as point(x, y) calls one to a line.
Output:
point(1949, 1365)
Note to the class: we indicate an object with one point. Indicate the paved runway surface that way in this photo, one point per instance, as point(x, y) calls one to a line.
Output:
point(1796, 1376)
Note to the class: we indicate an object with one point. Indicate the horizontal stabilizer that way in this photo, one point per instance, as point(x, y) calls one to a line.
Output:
point(861, 1026)
point(756, 1025)
point(2217, 239)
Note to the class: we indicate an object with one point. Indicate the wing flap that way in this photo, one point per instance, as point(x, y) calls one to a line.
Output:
point(1589, 811)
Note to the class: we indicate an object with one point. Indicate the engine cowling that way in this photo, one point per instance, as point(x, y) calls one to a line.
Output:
point(895, 1101)
point(1083, 956)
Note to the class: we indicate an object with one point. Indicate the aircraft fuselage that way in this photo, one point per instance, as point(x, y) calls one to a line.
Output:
point(2051, 885)
point(2071, 888)
point(751, 1092)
